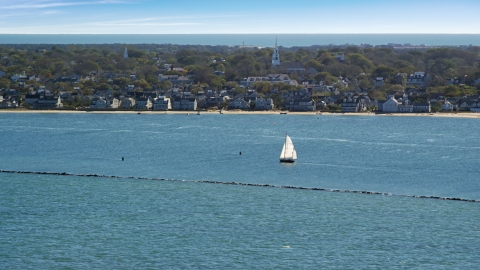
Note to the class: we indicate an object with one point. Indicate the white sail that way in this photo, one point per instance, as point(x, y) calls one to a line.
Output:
point(288, 150)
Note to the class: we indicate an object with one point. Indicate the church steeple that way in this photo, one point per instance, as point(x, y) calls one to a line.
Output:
point(275, 56)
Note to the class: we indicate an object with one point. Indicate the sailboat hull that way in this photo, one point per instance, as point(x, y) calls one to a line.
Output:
point(287, 160)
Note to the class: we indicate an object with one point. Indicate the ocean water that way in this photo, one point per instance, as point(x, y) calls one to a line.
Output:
point(81, 222)
point(263, 40)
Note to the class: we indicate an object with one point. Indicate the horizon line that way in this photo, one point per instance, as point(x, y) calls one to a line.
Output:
point(244, 34)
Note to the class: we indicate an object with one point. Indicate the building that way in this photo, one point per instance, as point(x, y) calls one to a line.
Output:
point(422, 107)
point(418, 79)
point(351, 105)
point(144, 103)
point(185, 104)
point(291, 67)
point(175, 79)
point(391, 105)
point(162, 103)
point(454, 81)
point(238, 103)
point(48, 102)
point(125, 53)
point(300, 104)
point(127, 103)
point(379, 81)
point(98, 103)
point(275, 56)
point(271, 78)
point(264, 104)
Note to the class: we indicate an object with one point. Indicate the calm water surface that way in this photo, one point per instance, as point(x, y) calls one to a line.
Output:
point(265, 40)
point(80, 222)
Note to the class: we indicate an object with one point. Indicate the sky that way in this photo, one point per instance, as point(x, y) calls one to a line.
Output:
point(238, 17)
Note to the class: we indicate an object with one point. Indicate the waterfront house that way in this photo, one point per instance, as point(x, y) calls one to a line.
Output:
point(405, 106)
point(184, 104)
point(422, 107)
point(300, 104)
point(143, 103)
point(31, 98)
point(391, 105)
point(98, 103)
point(114, 104)
point(264, 104)
point(238, 103)
point(48, 102)
point(162, 103)
point(350, 105)
point(467, 104)
point(127, 103)
point(8, 102)
point(448, 106)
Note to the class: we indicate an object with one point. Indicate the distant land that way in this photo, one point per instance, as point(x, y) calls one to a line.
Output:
point(261, 40)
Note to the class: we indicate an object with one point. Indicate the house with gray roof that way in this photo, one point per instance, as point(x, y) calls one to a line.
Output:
point(238, 103)
point(290, 67)
point(350, 105)
point(175, 79)
point(271, 78)
point(300, 104)
point(264, 104)
point(184, 104)
point(162, 103)
point(419, 79)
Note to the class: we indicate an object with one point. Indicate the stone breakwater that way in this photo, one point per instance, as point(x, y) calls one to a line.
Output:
point(242, 184)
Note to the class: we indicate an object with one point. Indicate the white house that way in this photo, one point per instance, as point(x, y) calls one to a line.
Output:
point(391, 105)
point(114, 104)
point(447, 106)
point(418, 79)
point(271, 78)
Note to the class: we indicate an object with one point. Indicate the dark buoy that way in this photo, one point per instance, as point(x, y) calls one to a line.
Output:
point(240, 153)
point(123, 158)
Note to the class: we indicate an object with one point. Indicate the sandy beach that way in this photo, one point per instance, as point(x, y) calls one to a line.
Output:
point(239, 112)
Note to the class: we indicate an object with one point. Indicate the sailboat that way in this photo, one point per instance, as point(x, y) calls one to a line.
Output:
point(288, 152)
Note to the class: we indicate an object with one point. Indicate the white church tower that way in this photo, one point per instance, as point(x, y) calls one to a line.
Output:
point(125, 53)
point(275, 56)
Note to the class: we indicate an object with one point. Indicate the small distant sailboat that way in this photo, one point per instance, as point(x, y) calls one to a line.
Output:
point(288, 152)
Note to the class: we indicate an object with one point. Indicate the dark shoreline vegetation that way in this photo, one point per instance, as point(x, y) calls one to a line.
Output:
point(242, 184)
point(80, 71)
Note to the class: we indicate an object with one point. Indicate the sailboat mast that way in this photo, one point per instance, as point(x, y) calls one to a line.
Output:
point(285, 144)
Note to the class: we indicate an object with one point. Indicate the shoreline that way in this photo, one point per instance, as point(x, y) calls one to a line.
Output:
point(238, 112)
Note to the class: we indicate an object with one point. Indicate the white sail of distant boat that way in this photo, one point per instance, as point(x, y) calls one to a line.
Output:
point(288, 152)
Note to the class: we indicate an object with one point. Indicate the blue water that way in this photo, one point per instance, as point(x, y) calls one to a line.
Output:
point(264, 40)
point(80, 222)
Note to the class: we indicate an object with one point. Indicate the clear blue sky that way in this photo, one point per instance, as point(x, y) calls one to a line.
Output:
point(232, 16)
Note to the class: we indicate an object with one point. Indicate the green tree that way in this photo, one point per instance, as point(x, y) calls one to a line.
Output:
point(452, 91)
